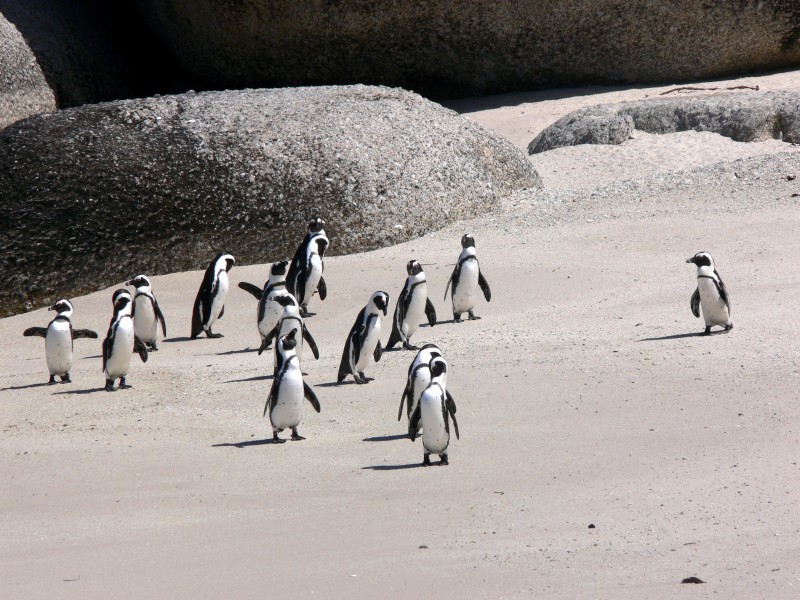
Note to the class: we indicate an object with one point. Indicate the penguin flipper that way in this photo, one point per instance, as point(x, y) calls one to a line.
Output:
point(268, 340)
point(449, 281)
point(394, 337)
point(197, 316)
point(413, 423)
point(251, 289)
point(311, 397)
point(723, 291)
point(378, 352)
point(322, 288)
point(160, 317)
point(105, 351)
point(273, 391)
point(430, 312)
point(695, 303)
point(484, 285)
point(406, 392)
point(36, 331)
point(221, 312)
point(310, 341)
point(451, 409)
point(344, 366)
point(140, 348)
point(84, 333)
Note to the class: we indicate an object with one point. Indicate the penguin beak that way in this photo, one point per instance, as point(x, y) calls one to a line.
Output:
point(690, 260)
point(130, 282)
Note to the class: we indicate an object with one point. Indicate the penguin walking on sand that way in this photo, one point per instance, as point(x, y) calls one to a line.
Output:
point(269, 308)
point(435, 410)
point(419, 378)
point(305, 272)
point(146, 313)
point(285, 401)
point(364, 340)
point(58, 337)
point(711, 294)
point(466, 279)
point(209, 305)
point(412, 305)
point(120, 343)
point(290, 320)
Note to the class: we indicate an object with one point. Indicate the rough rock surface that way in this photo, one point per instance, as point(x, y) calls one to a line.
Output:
point(97, 194)
point(743, 117)
point(464, 47)
point(23, 88)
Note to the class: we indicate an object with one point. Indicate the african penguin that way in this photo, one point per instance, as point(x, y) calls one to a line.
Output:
point(412, 304)
point(285, 401)
point(435, 410)
point(419, 378)
point(364, 340)
point(466, 278)
point(146, 313)
point(290, 319)
point(269, 308)
point(58, 336)
point(711, 294)
point(210, 302)
point(120, 343)
point(305, 272)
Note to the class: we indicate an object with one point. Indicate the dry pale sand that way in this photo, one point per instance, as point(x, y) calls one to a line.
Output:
point(583, 396)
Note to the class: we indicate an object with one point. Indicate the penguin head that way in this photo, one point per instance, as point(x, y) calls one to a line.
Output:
point(413, 267)
point(702, 259)
point(62, 307)
point(140, 281)
point(288, 341)
point(381, 301)
point(467, 241)
point(119, 293)
point(438, 367)
point(322, 245)
point(286, 300)
point(122, 302)
point(315, 225)
point(229, 261)
point(279, 268)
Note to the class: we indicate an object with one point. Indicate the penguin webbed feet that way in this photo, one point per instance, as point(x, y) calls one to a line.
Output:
point(52, 379)
point(276, 439)
point(426, 460)
point(472, 316)
point(457, 318)
point(213, 335)
point(296, 437)
point(123, 385)
point(728, 327)
point(110, 385)
point(409, 346)
point(65, 378)
point(707, 330)
point(305, 313)
point(443, 460)
point(151, 346)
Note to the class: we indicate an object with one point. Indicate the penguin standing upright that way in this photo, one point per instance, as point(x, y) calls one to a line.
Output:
point(466, 278)
point(711, 294)
point(146, 313)
point(209, 305)
point(305, 272)
point(364, 340)
point(58, 336)
point(290, 320)
point(285, 400)
point(412, 304)
point(419, 378)
point(435, 409)
point(269, 308)
point(120, 343)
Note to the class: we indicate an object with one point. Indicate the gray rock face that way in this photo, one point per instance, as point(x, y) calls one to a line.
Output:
point(96, 194)
point(469, 47)
point(23, 88)
point(743, 117)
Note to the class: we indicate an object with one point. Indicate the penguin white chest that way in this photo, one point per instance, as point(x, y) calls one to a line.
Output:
point(367, 350)
point(58, 348)
point(272, 314)
point(314, 275)
point(435, 437)
point(465, 292)
point(118, 363)
point(715, 312)
point(145, 324)
point(416, 309)
point(218, 301)
point(287, 410)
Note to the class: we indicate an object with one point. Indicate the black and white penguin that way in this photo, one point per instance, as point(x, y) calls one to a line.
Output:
point(290, 320)
point(269, 308)
point(305, 272)
point(58, 336)
point(285, 401)
point(435, 410)
point(146, 313)
point(412, 304)
point(121, 342)
point(466, 278)
point(419, 378)
point(711, 294)
point(364, 340)
point(210, 302)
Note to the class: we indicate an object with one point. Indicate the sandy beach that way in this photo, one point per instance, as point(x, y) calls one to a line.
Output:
point(585, 398)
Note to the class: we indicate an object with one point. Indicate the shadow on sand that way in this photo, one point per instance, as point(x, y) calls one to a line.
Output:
point(680, 336)
point(393, 467)
point(387, 438)
point(245, 444)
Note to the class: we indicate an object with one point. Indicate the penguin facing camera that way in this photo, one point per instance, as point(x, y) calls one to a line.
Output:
point(466, 278)
point(146, 313)
point(412, 306)
point(435, 411)
point(710, 294)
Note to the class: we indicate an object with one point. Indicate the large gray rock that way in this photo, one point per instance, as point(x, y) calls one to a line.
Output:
point(96, 194)
point(469, 47)
point(743, 117)
point(23, 88)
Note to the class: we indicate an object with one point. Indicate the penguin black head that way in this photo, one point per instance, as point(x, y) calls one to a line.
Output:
point(288, 342)
point(121, 302)
point(438, 366)
point(467, 241)
point(381, 301)
point(229, 261)
point(315, 225)
point(701, 259)
point(139, 281)
point(118, 293)
point(279, 268)
point(62, 306)
point(322, 245)
point(286, 300)
point(413, 267)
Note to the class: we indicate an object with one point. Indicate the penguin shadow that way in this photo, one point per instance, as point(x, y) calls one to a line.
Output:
point(392, 467)
point(93, 356)
point(179, 339)
point(336, 383)
point(386, 438)
point(254, 378)
point(242, 351)
point(81, 392)
point(678, 336)
point(440, 322)
point(246, 444)
point(23, 387)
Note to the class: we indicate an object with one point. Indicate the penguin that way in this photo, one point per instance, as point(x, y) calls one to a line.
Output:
point(210, 302)
point(290, 319)
point(412, 304)
point(120, 343)
point(435, 410)
point(711, 294)
point(285, 400)
point(269, 309)
point(146, 313)
point(364, 340)
point(58, 337)
point(305, 272)
point(466, 278)
point(419, 378)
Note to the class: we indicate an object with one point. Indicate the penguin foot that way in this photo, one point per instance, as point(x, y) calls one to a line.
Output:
point(707, 331)
point(456, 318)
point(151, 347)
point(110, 385)
point(213, 335)
point(443, 461)
point(728, 327)
point(123, 385)
point(472, 316)
point(276, 439)
point(359, 380)
point(52, 380)
point(305, 313)
point(296, 437)
point(408, 346)
point(426, 461)
point(66, 379)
